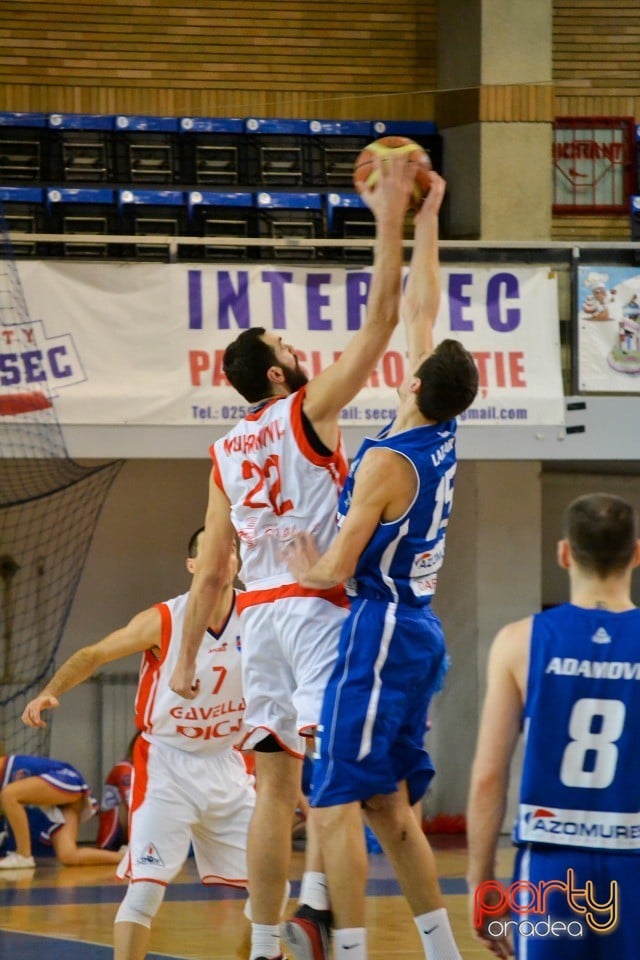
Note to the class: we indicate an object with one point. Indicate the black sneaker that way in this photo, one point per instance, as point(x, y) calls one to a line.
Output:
point(306, 933)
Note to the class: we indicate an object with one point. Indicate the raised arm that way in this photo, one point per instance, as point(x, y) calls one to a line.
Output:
point(497, 739)
point(421, 300)
point(336, 386)
point(141, 633)
point(207, 588)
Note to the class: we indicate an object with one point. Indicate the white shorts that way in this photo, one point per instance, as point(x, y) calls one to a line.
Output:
point(289, 647)
point(180, 798)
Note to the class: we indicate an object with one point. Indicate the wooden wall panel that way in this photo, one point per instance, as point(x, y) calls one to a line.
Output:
point(303, 58)
point(591, 228)
point(595, 49)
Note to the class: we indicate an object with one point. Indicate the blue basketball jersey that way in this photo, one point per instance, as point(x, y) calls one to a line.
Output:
point(580, 783)
point(401, 561)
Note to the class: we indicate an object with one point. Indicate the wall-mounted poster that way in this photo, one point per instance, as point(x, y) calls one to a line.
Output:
point(609, 329)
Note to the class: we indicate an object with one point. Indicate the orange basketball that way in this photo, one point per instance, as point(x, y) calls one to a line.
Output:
point(365, 173)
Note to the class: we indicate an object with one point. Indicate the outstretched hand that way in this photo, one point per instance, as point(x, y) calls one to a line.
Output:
point(393, 187)
point(31, 715)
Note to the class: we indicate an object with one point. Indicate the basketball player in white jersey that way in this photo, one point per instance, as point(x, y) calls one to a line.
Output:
point(275, 473)
point(189, 785)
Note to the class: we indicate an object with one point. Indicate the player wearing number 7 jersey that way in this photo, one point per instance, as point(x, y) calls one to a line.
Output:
point(568, 679)
point(190, 786)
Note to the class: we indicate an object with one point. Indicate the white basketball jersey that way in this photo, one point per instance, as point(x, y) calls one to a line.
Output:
point(210, 722)
point(277, 486)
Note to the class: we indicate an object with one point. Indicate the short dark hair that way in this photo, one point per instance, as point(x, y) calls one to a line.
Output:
point(448, 382)
point(192, 549)
point(602, 533)
point(245, 364)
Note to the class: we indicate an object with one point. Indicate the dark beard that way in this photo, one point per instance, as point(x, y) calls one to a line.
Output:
point(295, 378)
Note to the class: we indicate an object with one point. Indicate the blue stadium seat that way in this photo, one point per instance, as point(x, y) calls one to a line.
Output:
point(213, 151)
point(335, 145)
point(22, 211)
point(348, 216)
point(147, 149)
point(293, 216)
point(152, 212)
point(221, 214)
point(22, 139)
point(277, 152)
point(82, 210)
point(81, 146)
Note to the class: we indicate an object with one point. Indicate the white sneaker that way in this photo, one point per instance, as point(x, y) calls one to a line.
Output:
point(14, 861)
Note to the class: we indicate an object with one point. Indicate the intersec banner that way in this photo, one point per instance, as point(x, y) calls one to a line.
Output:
point(609, 329)
point(139, 343)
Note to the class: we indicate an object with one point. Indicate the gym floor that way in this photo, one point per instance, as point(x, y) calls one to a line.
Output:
point(66, 913)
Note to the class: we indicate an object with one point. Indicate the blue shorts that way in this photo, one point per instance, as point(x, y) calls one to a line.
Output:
point(374, 716)
point(600, 868)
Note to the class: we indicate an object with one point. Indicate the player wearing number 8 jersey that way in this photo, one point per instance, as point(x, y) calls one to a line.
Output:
point(568, 678)
point(394, 511)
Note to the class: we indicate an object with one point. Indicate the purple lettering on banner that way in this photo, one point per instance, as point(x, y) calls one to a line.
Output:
point(277, 279)
point(317, 300)
point(194, 281)
point(56, 368)
point(458, 301)
point(503, 323)
point(233, 301)
point(32, 360)
point(357, 287)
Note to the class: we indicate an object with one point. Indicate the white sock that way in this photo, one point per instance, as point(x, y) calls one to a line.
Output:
point(265, 940)
point(350, 944)
point(437, 936)
point(314, 890)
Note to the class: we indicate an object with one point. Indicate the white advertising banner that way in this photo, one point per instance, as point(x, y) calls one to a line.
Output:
point(136, 343)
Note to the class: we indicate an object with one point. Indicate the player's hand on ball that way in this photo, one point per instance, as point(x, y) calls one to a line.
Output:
point(433, 200)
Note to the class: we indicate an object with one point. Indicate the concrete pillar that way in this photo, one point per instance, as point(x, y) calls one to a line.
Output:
point(494, 109)
point(491, 576)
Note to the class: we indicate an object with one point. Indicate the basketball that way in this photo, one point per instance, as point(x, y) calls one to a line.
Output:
point(365, 173)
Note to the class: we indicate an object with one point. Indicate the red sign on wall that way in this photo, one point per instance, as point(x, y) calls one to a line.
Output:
point(592, 164)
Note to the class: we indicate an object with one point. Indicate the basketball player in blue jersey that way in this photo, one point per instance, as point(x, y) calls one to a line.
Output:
point(568, 678)
point(393, 515)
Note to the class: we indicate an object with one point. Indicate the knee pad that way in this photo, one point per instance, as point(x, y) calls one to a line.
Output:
point(141, 903)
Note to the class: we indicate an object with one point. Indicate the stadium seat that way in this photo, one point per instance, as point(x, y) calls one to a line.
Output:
point(82, 211)
point(150, 213)
point(23, 212)
point(147, 149)
point(81, 147)
point(277, 152)
point(213, 151)
point(22, 139)
point(348, 216)
point(220, 214)
point(291, 216)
